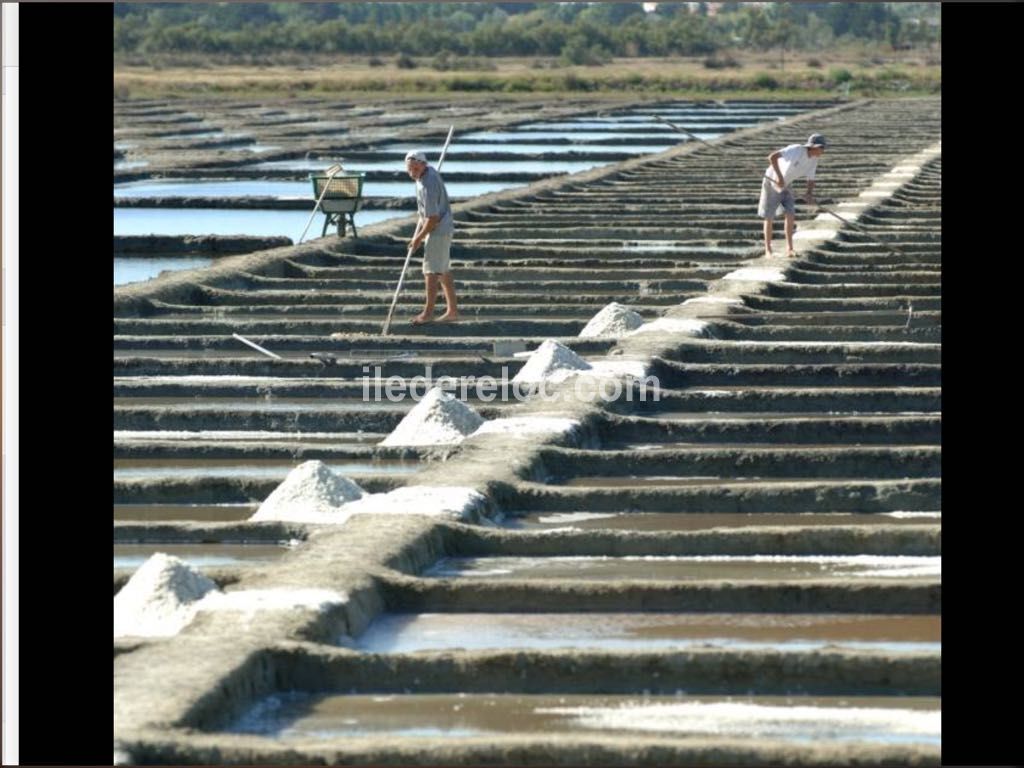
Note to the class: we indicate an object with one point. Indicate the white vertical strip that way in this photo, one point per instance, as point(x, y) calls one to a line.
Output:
point(9, 23)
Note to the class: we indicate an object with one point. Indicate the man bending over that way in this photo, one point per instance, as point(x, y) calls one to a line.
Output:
point(786, 166)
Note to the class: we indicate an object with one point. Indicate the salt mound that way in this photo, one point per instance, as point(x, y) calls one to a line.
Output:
point(550, 360)
point(613, 320)
point(310, 491)
point(687, 326)
point(252, 600)
point(757, 274)
point(528, 426)
point(160, 598)
point(437, 501)
point(438, 419)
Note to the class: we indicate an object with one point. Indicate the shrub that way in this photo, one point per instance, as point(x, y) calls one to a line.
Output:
point(375, 62)
point(766, 81)
point(721, 62)
point(814, 63)
point(479, 65)
point(404, 61)
point(518, 84)
point(840, 75)
point(442, 62)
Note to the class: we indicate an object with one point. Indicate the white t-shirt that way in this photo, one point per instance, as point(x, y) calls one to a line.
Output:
point(794, 163)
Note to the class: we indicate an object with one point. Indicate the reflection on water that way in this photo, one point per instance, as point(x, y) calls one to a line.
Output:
point(404, 632)
point(134, 270)
point(301, 716)
point(204, 221)
point(293, 189)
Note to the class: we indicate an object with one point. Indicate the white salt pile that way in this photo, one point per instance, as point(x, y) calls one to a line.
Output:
point(529, 426)
point(614, 320)
point(437, 501)
point(160, 598)
point(310, 493)
point(550, 360)
point(756, 274)
point(681, 325)
point(438, 419)
point(250, 601)
point(713, 301)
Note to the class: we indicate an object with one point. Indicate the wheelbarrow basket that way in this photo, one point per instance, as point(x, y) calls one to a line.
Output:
point(344, 192)
point(342, 197)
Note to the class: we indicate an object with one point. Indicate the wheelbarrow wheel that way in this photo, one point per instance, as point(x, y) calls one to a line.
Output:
point(341, 226)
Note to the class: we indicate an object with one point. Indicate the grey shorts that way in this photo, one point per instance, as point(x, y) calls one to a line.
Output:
point(437, 254)
point(772, 199)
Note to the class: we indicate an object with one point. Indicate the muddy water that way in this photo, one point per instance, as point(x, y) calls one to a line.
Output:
point(653, 449)
point(300, 717)
point(667, 521)
point(689, 568)
point(700, 416)
point(134, 270)
point(269, 404)
point(403, 633)
point(206, 354)
point(654, 481)
point(213, 221)
point(218, 513)
point(257, 436)
point(141, 469)
point(127, 165)
point(134, 555)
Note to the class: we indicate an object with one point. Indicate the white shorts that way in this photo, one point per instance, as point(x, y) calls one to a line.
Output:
point(437, 254)
point(772, 199)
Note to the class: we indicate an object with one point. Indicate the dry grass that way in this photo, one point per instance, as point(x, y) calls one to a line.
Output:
point(673, 75)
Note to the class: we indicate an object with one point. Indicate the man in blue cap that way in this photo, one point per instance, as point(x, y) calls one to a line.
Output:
point(786, 166)
point(434, 230)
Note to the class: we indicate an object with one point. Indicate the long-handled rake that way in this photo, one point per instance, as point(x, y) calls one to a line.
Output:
point(693, 136)
point(408, 253)
point(331, 172)
point(823, 209)
point(256, 346)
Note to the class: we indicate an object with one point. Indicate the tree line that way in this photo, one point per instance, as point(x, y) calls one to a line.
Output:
point(577, 32)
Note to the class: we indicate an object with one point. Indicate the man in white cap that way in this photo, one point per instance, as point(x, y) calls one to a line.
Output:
point(786, 166)
point(434, 229)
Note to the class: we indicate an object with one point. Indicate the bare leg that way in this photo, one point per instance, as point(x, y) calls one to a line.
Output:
point(790, 226)
point(448, 286)
point(431, 282)
point(768, 223)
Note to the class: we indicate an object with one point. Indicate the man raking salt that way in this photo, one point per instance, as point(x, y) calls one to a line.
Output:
point(434, 230)
point(788, 164)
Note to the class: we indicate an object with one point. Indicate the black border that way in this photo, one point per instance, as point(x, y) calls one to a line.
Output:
point(65, 101)
point(981, 671)
point(65, 613)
